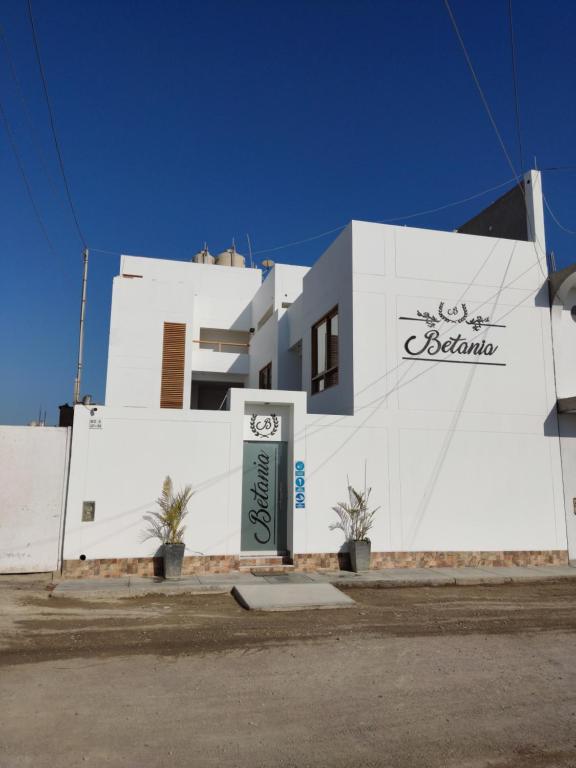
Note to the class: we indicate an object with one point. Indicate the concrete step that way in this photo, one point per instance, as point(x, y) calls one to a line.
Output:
point(260, 570)
point(267, 563)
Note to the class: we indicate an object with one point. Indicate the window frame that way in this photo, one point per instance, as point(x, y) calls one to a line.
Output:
point(330, 375)
point(265, 374)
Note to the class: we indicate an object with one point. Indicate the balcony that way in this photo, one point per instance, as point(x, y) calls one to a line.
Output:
point(221, 351)
point(223, 346)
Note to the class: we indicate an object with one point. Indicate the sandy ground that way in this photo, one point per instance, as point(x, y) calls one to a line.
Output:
point(445, 676)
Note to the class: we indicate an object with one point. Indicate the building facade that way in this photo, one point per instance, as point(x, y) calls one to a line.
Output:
point(416, 361)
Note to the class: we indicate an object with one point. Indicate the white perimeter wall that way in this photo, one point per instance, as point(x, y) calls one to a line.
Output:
point(122, 467)
point(34, 464)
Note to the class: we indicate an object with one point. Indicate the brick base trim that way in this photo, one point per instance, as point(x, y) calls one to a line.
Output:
point(147, 566)
point(152, 566)
point(379, 560)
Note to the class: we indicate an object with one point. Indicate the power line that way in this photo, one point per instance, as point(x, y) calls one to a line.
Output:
point(12, 66)
point(532, 236)
point(559, 168)
point(52, 124)
point(396, 218)
point(480, 91)
point(449, 205)
point(20, 165)
point(515, 83)
point(494, 126)
point(338, 229)
point(551, 212)
point(300, 242)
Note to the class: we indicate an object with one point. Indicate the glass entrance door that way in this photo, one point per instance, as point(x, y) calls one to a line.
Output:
point(264, 491)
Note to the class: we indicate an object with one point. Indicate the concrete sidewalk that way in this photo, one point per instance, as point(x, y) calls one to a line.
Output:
point(135, 586)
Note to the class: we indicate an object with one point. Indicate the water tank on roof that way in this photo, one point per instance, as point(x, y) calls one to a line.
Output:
point(230, 258)
point(203, 257)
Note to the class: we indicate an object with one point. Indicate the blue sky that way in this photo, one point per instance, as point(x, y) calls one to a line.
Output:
point(181, 122)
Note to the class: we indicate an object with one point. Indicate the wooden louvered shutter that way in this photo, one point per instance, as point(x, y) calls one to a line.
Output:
point(173, 348)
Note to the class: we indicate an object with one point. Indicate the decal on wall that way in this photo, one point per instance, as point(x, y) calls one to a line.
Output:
point(455, 314)
point(264, 426)
point(432, 343)
point(299, 485)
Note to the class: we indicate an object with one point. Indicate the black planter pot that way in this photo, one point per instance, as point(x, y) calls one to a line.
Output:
point(173, 556)
point(359, 555)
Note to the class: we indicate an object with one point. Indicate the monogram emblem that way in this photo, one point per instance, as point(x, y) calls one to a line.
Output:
point(264, 426)
point(456, 314)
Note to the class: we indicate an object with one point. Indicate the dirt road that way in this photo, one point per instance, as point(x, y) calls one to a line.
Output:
point(450, 676)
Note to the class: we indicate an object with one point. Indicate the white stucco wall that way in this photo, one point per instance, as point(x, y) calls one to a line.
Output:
point(328, 284)
point(264, 350)
point(568, 446)
point(272, 341)
point(564, 327)
point(159, 291)
point(122, 465)
point(460, 456)
point(34, 463)
point(288, 283)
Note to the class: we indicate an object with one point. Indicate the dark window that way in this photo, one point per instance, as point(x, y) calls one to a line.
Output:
point(325, 352)
point(265, 377)
point(210, 395)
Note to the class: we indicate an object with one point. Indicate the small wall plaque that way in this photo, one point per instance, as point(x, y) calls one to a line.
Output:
point(88, 511)
point(574, 505)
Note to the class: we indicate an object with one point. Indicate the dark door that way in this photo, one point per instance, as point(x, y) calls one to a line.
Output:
point(264, 492)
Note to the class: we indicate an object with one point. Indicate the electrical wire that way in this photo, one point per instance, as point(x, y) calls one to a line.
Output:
point(343, 226)
point(515, 83)
point(300, 242)
point(448, 205)
point(532, 236)
point(53, 126)
point(396, 218)
point(19, 163)
point(37, 145)
point(480, 91)
point(559, 168)
point(555, 220)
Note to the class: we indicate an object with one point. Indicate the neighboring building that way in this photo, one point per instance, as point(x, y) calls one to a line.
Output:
point(421, 359)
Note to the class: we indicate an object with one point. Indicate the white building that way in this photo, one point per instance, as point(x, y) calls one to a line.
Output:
point(421, 358)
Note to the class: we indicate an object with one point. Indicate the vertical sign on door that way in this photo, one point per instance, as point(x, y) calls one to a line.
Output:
point(264, 495)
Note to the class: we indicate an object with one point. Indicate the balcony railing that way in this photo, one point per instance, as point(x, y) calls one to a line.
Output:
point(223, 346)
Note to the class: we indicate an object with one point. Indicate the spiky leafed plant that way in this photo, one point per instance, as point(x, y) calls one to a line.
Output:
point(354, 517)
point(166, 524)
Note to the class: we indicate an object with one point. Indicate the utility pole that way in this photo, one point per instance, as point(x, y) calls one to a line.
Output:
point(78, 380)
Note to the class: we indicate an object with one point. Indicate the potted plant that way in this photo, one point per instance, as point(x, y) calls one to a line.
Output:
point(166, 525)
point(355, 520)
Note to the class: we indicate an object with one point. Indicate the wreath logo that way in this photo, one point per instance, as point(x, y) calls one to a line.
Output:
point(456, 314)
point(264, 426)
